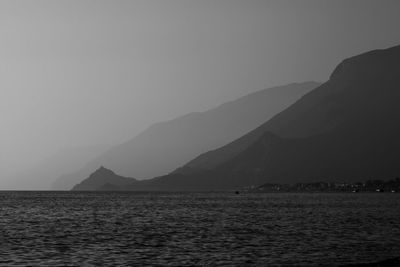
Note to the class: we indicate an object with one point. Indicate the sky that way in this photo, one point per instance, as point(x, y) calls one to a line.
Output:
point(93, 72)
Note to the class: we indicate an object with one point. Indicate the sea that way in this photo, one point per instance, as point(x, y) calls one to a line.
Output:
point(197, 229)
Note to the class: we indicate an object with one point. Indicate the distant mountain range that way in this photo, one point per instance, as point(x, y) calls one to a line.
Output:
point(165, 146)
point(347, 129)
point(43, 174)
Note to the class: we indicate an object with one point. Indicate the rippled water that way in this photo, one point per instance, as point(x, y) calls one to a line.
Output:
point(111, 229)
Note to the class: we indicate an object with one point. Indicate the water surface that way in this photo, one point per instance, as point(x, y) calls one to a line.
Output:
point(111, 229)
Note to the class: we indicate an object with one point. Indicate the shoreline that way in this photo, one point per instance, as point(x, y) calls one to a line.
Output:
point(392, 262)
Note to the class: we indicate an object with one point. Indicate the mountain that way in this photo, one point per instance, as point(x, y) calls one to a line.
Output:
point(103, 180)
point(361, 92)
point(167, 145)
point(345, 130)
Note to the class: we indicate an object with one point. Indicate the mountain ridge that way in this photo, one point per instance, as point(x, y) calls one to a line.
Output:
point(345, 130)
point(165, 146)
point(103, 179)
point(286, 123)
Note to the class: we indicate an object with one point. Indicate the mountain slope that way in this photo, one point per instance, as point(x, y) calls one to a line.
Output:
point(165, 146)
point(345, 130)
point(360, 87)
point(103, 179)
point(348, 155)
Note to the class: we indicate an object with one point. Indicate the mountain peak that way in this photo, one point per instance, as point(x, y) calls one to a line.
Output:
point(103, 170)
point(101, 179)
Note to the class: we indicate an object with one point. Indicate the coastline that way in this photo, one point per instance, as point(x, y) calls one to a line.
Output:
point(392, 262)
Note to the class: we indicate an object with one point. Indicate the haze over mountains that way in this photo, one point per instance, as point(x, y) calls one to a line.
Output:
point(350, 118)
point(88, 73)
point(41, 176)
point(355, 92)
point(345, 130)
point(167, 145)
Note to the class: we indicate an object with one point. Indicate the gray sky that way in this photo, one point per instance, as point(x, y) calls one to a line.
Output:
point(82, 72)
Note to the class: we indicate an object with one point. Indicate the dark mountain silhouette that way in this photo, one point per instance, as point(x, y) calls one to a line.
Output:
point(165, 146)
point(347, 129)
point(104, 180)
point(361, 88)
point(109, 187)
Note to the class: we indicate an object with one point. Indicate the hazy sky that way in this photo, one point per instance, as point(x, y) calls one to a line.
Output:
point(82, 72)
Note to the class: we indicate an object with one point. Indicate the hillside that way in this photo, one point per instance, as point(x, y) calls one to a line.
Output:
point(167, 145)
point(362, 87)
point(103, 180)
point(345, 130)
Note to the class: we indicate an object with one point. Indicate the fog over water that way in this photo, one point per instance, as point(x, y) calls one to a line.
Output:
point(96, 73)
